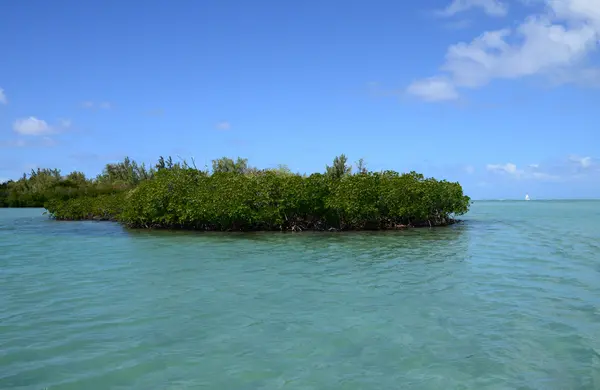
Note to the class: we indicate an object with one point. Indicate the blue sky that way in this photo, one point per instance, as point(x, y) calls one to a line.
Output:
point(499, 95)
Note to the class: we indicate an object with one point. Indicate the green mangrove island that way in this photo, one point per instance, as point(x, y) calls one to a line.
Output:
point(232, 196)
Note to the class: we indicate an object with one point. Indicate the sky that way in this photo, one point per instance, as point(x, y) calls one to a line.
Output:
point(499, 95)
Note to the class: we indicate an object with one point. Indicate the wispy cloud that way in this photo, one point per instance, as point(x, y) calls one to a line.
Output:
point(13, 143)
point(44, 142)
point(90, 105)
point(553, 44)
point(224, 125)
point(490, 7)
point(3, 98)
point(33, 126)
point(510, 169)
point(583, 162)
point(64, 123)
point(433, 89)
point(570, 168)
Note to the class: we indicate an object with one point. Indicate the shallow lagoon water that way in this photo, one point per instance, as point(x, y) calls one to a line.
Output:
point(509, 299)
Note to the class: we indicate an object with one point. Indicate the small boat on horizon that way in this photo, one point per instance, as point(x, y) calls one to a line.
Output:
point(527, 197)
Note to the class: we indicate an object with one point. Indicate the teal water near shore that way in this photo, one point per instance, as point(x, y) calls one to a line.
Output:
point(509, 299)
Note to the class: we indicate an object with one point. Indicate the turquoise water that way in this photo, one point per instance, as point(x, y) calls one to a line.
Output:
point(508, 300)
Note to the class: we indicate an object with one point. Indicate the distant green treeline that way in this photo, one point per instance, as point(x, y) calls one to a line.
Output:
point(233, 196)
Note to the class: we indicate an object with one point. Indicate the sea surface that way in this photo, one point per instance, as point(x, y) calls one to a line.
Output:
point(509, 299)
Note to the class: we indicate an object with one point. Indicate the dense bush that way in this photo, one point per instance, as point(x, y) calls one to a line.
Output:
point(237, 197)
point(45, 185)
point(98, 207)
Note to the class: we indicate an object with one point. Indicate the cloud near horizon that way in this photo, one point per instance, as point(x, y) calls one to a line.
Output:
point(553, 44)
point(513, 171)
point(573, 167)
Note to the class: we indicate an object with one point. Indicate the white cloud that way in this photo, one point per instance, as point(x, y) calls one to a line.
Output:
point(224, 125)
point(3, 98)
point(557, 171)
point(470, 169)
point(433, 89)
point(554, 44)
point(37, 127)
point(583, 162)
point(509, 168)
point(32, 126)
point(512, 170)
point(582, 10)
point(542, 176)
point(490, 7)
point(586, 77)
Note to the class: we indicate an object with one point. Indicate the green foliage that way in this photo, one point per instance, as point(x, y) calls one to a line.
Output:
point(43, 185)
point(361, 166)
point(236, 197)
point(99, 207)
point(339, 168)
point(4, 192)
point(225, 165)
point(35, 190)
point(126, 173)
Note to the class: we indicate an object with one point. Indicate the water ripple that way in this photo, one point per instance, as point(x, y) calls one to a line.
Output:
point(509, 299)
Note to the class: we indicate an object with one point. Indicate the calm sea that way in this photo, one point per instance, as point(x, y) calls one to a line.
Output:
point(508, 300)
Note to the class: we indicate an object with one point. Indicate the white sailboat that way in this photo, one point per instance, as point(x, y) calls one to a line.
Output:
point(526, 196)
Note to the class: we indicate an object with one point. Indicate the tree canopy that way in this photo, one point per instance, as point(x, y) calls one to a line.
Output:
point(234, 196)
